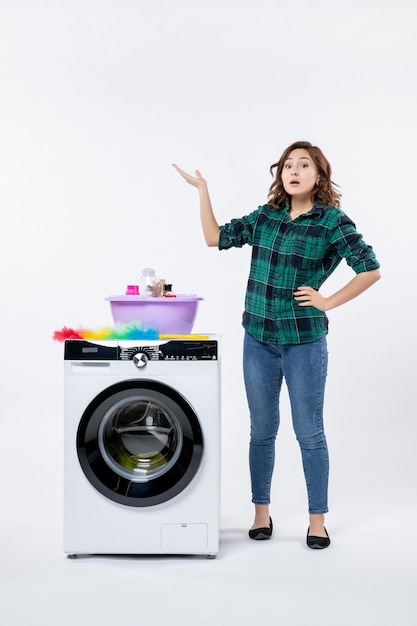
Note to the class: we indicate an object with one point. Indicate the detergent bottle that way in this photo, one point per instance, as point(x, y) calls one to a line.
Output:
point(149, 284)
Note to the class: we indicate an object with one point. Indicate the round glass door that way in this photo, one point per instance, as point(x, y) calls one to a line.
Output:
point(139, 443)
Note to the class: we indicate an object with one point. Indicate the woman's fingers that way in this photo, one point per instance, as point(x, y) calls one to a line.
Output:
point(193, 180)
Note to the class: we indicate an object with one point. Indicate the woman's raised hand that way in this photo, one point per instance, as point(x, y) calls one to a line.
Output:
point(209, 223)
point(197, 180)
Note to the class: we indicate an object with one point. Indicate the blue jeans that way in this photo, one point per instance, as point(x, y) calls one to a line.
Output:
point(304, 367)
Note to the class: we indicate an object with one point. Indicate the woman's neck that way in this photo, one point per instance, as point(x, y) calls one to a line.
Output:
point(300, 205)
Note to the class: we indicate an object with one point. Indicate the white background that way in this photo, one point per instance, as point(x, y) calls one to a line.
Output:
point(98, 98)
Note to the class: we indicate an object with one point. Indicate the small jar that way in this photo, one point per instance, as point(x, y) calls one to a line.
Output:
point(168, 293)
point(132, 290)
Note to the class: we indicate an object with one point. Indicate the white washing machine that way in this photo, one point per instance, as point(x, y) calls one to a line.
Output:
point(142, 447)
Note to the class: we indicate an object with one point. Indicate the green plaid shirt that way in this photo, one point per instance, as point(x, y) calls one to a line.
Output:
point(287, 254)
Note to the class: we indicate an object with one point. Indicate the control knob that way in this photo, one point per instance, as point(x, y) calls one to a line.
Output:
point(140, 359)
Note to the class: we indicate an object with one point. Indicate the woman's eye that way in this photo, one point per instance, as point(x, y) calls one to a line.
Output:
point(304, 165)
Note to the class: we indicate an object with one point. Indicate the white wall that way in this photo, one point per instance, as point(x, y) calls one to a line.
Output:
point(98, 98)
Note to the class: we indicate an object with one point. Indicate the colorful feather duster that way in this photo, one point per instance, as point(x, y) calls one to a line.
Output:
point(120, 332)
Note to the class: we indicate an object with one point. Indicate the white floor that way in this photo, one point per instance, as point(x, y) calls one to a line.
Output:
point(367, 577)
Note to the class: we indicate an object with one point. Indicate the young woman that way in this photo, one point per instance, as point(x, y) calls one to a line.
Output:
point(298, 239)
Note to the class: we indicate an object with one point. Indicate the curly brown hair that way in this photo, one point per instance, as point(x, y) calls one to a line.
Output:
point(325, 190)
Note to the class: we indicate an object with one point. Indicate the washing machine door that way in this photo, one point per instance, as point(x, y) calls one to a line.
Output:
point(139, 443)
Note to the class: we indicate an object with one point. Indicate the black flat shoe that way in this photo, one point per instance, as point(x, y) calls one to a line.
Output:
point(261, 533)
point(317, 543)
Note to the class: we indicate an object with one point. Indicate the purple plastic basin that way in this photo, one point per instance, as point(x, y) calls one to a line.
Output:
point(167, 315)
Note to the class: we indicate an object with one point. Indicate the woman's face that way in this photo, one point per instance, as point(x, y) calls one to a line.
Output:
point(299, 174)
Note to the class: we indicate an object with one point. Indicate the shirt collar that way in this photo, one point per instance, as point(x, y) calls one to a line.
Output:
point(317, 209)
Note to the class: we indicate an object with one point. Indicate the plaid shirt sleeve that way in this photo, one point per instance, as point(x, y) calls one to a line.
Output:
point(238, 232)
point(351, 246)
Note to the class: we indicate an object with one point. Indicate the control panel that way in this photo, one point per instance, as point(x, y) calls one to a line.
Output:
point(171, 350)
